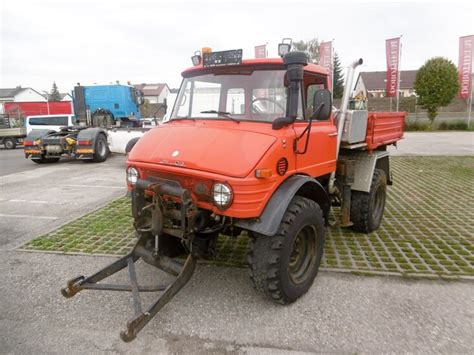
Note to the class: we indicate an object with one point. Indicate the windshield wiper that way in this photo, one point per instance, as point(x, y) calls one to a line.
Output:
point(223, 114)
point(183, 118)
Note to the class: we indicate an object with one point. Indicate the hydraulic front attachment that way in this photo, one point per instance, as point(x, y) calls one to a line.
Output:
point(143, 249)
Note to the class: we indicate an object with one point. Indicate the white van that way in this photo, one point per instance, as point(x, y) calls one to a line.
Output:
point(52, 122)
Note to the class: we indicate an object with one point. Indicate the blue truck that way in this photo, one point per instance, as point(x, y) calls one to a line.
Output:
point(108, 105)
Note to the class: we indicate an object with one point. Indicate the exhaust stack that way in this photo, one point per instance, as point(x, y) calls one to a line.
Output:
point(343, 112)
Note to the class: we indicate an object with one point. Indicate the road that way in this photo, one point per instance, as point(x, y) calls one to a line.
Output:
point(435, 143)
point(41, 198)
point(217, 311)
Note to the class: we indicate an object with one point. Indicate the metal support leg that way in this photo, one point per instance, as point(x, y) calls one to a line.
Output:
point(137, 324)
point(183, 274)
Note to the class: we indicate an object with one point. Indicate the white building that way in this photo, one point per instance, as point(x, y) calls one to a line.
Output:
point(20, 94)
point(65, 97)
point(374, 83)
point(154, 93)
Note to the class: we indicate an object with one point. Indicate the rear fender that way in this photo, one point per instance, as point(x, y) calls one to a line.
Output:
point(90, 134)
point(364, 167)
point(272, 215)
point(38, 133)
point(36, 151)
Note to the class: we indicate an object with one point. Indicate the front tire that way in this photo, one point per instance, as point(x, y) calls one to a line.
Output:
point(367, 208)
point(283, 267)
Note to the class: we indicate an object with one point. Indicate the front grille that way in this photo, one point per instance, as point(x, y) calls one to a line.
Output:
point(199, 187)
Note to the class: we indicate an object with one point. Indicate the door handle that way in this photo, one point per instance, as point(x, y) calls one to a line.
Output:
point(332, 134)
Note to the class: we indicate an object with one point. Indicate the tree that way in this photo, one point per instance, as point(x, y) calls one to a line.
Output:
point(436, 84)
point(54, 94)
point(311, 48)
point(338, 78)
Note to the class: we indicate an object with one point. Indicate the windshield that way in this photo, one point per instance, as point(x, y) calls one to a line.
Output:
point(253, 95)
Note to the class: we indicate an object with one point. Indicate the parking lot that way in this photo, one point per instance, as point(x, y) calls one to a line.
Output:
point(217, 311)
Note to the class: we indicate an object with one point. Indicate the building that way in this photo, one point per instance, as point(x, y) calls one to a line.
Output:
point(154, 93)
point(20, 94)
point(374, 83)
point(65, 97)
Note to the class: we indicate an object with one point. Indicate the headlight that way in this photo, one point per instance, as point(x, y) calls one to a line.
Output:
point(132, 175)
point(222, 195)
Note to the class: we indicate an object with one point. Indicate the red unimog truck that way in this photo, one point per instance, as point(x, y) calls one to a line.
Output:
point(255, 146)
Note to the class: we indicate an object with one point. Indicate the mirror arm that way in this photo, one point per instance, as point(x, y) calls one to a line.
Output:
point(306, 130)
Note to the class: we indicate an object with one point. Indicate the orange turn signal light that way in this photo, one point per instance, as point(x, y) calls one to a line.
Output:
point(263, 173)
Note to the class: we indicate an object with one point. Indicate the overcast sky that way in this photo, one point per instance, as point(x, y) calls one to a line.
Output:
point(144, 41)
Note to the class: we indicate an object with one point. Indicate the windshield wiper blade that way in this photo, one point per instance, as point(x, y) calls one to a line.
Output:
point(223, 114)
point(183, 118)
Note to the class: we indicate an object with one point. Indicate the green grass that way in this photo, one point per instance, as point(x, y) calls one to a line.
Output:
point(442, 126)
point(427, 227)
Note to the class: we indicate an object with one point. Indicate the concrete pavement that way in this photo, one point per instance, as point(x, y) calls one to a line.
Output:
point(41, 199)
point(13, 161)
point(219, 312)
point(435, 143)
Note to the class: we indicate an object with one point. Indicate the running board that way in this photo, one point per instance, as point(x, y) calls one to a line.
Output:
point(182, 272)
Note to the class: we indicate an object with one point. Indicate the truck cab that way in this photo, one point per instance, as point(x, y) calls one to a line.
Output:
point(233, 109)
point(108, 105)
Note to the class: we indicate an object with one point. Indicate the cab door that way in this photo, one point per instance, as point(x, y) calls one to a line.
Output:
point(320, 156)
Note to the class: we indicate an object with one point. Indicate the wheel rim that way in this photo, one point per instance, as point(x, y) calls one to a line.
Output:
point(304, 254)
point(9, 144)
point(378, 202)
point(101, 147)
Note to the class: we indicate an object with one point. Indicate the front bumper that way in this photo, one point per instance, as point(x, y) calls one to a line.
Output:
point(162, 207)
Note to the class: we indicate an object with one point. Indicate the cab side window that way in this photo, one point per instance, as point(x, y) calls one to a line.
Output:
point(312, 83)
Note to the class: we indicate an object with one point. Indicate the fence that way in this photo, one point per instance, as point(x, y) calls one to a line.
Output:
point(456, 111)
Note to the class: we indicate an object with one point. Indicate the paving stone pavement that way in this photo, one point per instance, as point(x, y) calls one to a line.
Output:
point(426, 231)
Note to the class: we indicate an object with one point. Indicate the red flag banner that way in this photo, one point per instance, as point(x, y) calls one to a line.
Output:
point(392, 51)
point(325, 59)
point(466, 45)
point(261, 51)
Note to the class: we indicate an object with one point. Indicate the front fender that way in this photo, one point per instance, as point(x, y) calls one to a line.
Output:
point(272, 215)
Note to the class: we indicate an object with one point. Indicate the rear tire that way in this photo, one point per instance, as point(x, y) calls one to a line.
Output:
point(131, 143)
point(9, 143)
point(101, 150)
point(367, 208)
point(283, 267)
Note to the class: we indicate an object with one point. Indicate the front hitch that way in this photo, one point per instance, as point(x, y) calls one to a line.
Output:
point(183, 273)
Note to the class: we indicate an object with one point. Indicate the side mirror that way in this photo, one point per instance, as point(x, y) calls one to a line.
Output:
point(322, 105)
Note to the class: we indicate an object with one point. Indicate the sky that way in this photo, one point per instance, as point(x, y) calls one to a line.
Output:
point(149, 41)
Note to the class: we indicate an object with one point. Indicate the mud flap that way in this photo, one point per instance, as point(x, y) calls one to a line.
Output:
point(182, 272)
